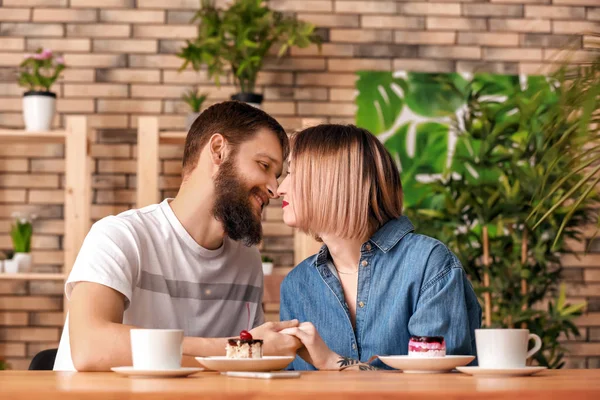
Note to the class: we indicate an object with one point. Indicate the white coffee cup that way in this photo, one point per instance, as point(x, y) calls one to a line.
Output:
point(156, 349)
point(505, 348)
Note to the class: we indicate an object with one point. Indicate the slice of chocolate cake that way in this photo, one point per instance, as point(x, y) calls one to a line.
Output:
point(244, 347)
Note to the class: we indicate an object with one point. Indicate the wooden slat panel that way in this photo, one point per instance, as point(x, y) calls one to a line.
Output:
point(147, 161)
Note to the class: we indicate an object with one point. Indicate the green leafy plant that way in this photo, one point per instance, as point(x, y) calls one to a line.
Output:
point(194, 99)
point(557, 321)
point(39, 71)
point(240, 37)
point(4, 365)
point(481, 207)
point(266, 259)
point(573, 135)
point(21, 232)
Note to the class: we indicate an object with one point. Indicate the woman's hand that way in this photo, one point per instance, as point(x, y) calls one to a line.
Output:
point(315, 351)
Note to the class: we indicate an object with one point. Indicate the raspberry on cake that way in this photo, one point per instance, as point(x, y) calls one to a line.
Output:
point(427, 346)
point(244, 347)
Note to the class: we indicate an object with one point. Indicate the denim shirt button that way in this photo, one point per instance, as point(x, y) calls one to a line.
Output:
point(361, 304)
point(353, 346)
point(368, 247)
point(364, 263)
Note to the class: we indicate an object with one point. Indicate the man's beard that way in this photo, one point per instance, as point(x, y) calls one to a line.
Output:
point(233, 207)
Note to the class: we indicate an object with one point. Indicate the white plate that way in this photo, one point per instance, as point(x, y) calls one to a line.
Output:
point(161, 373)
point(478, 371)
point(224, 364)
point(426, 365)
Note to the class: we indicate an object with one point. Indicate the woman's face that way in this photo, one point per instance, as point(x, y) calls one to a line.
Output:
point(285, 191)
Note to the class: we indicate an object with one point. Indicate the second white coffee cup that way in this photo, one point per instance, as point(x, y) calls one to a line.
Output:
point(505, 348)
point(156, 349)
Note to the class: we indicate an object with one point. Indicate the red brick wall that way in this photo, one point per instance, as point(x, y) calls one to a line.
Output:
point(122, 65)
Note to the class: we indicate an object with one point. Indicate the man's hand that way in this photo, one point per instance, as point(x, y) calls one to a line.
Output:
point(276, 344)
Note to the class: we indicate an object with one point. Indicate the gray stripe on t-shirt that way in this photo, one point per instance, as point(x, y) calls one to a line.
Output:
point(200, 291)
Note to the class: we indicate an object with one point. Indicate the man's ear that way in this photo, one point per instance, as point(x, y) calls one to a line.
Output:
point(217, 146)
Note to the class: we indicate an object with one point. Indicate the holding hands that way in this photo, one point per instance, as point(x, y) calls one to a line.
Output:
point(276, 343)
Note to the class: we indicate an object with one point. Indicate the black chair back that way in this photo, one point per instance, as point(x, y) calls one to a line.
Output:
point(44, 360)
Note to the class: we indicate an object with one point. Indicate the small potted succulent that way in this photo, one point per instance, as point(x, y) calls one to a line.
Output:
point(239, 38)
point(20, 233)
point(37, 73)
point(267, 265)
point(194, 100)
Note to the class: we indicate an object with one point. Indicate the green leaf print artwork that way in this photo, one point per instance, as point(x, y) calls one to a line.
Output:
point(415, 115)
point(420, 153)
point(435, 95)
point(380, 100)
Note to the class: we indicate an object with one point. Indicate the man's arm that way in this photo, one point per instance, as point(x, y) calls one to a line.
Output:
point(99, 340)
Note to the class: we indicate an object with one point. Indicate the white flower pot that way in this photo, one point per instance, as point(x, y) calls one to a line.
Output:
point(189, 120)
point(267, 268)
point(38, 110)
point(11, 266)
point(24, 261)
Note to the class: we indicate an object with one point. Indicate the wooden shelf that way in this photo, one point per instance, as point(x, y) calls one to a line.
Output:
point(21, 136)
point(77, 188)
point(39, 276)
point(172, 137)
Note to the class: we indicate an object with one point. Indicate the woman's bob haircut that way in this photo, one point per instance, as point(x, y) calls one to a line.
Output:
point(345, 182)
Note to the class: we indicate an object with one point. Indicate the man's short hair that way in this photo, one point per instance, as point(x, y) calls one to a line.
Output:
point(236, 121)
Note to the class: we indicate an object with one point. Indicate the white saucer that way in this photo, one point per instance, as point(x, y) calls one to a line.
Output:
point(224, 364)
point(425, 365)
point(160, 373)
point(499, 372)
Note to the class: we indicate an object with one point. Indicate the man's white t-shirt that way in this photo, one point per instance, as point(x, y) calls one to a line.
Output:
point(168, 280)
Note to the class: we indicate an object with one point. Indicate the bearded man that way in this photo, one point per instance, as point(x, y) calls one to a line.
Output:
point(187, 263)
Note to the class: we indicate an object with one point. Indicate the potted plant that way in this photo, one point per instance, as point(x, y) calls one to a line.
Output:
point(20, 233)
point(579, 144)
point(195, 100)
point(267, 265)
point(481, 208)
point(3, 365)
point(240, 38)
point(37, 73)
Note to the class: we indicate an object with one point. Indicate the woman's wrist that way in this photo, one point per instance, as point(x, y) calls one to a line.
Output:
point(331, 362)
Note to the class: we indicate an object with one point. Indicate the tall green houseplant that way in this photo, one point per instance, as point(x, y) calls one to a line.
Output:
point(240, 38)
point(481, 209)
point(573, 131)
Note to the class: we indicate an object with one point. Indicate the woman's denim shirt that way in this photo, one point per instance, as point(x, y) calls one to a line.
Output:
point(408, 284)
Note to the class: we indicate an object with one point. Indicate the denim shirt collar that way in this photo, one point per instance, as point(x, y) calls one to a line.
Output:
point(385, 238)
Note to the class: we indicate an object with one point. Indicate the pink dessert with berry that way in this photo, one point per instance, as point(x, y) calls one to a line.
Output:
point(244, 347)
point(427, 346)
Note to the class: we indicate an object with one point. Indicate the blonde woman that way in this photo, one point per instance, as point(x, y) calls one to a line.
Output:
point(375, 282)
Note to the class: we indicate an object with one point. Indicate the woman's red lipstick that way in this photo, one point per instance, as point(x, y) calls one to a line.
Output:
point(284, 204)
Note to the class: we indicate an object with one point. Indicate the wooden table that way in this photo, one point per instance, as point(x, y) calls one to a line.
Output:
point(565, 384)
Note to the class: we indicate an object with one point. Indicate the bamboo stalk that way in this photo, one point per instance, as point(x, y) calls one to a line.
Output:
point(487, 297)
point(523, 263)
